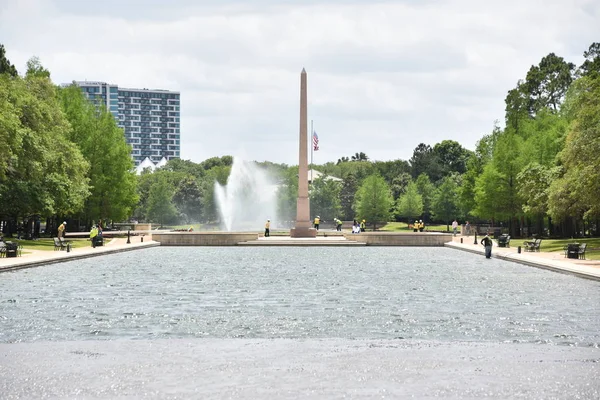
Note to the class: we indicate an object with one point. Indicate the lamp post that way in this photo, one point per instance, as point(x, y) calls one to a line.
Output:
point(475, 242)
point(128, 240)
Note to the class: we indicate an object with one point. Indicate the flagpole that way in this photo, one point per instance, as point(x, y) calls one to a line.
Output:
point(312, 147)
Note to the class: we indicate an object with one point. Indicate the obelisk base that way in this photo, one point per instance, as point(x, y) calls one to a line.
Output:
point(303, 232)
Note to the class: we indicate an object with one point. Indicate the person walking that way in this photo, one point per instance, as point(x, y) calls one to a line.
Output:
point(317, 222)
point(487, 243)
point(61, 229)
point(268, 228)
point(454, 227)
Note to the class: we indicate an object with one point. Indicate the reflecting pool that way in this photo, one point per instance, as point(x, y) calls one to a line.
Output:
point(406, 293)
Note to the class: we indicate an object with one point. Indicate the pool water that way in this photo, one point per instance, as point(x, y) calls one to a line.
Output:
point(298, 292)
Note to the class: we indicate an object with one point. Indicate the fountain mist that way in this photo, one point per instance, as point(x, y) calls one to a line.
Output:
point(248, 199)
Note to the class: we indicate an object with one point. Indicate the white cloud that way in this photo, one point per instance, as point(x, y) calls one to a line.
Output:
point(383, 76)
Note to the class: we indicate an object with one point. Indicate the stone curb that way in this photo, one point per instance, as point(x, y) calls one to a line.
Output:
point(582, 272)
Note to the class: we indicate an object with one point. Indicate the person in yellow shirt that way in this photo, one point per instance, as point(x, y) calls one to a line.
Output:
point(93, 235)
point(268, 228)
point(363, 225)
point(61, 229)
point(317, 222)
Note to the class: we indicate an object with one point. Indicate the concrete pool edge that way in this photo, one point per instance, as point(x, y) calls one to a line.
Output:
point(47, 257)
point(533, 260)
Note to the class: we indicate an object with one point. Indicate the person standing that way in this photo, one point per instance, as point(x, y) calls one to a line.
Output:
point(468, 228)
point(363, 225)
point(338, 224)
point(93, 235)
point(317, 222)
point(454, 227)
point(487, 243)
point(268, 228)
point(421, 225)
point(61, 229)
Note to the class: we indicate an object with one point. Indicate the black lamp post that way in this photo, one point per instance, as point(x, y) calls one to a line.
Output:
point(128, 240)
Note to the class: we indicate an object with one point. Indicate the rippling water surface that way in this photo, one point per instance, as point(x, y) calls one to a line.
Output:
point(272, 292)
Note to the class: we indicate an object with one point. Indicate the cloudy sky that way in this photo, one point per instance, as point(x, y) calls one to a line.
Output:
point(383, 76)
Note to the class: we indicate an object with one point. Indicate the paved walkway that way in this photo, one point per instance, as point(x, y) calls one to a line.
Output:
point(553, 261)
point(34, 258)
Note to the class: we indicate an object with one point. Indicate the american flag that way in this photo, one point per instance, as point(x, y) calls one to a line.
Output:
point(315, 141)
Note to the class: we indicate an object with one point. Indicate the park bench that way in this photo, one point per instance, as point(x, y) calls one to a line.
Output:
point(59, 244)
point(10, 249)
point(504, 241)
point(532, 245)
point(581, 251)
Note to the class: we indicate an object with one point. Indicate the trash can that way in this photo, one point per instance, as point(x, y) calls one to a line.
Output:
point(502, 240)
point(573, 250)
point(11, 249)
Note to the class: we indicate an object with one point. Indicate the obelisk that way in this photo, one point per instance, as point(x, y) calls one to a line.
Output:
point(303, 225)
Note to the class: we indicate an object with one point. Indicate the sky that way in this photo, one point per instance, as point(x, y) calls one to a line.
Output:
point(383, 76)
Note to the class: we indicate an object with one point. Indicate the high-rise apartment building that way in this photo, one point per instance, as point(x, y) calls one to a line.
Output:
point(150, 118)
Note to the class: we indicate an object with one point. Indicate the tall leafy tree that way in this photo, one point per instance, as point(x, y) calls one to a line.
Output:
point(36, 69)
point(581, 180)
point(188, 199)
point(425, 161)
point(591, 65)
point(287, 195)
point(5, 65)
point(325, 198)
point(547, 83)
point(45, 173)
point(102, 142)
point(452, 156)
point(427, 191)
point(347, 194)
point(444, 206)
point(410, 205)
point(374, 200)
point(160, 201)
point(360, 157)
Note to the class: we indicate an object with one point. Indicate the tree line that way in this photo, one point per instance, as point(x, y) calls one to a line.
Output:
point(539, 173)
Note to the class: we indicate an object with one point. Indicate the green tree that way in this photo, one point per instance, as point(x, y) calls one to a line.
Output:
point(287, 195)
point(102, 142)
point(325, 198)
point(547, 83)
point(160, 201)
point(374, 200)
point(591, 65)
point(427, 191)
point(410, 204)
point(452, 156)
point(359, 157)
point(444, 206)
point(36, 69)
point(45, 173)
point(5, 65)
point(581, 180)
point(188, 199)
point(425, 161)
point(347, 194)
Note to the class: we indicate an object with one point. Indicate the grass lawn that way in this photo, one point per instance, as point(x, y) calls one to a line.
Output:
point(403, 226)
point(48, 243)
point(556, 245)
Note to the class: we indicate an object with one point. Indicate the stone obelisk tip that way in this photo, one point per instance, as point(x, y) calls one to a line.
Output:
point(303, 71)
